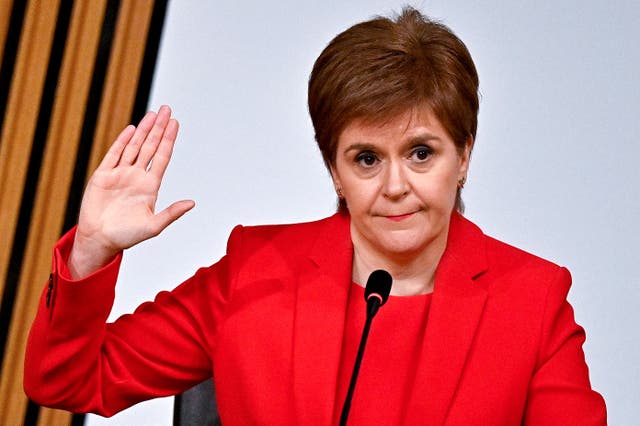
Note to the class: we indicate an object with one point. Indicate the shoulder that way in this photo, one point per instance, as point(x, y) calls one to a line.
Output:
point(304, 234)
point(504, 256)
point(287, 247)
point(510, 267)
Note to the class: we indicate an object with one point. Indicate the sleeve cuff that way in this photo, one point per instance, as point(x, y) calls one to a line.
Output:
point(61, 252)
point(87, 299)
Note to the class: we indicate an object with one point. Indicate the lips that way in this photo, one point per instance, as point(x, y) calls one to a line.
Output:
point(398, 218)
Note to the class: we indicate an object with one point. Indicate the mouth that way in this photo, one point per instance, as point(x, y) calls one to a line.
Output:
point(401, 217)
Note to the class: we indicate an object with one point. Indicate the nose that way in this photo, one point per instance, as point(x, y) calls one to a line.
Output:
point(396, 185)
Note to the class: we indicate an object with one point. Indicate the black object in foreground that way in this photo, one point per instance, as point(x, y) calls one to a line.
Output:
point(376, 294)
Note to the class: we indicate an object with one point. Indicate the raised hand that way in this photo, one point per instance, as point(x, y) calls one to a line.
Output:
point(118, 206)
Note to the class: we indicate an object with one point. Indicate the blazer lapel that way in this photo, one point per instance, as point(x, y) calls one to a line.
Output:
point(321, 301)
point(456, 308)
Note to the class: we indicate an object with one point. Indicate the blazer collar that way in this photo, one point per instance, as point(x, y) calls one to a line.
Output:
point(321, 305)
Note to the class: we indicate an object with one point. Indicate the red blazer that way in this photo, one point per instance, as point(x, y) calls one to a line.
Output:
point(501, 345)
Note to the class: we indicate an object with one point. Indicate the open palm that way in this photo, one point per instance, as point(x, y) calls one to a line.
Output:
point(118, 206)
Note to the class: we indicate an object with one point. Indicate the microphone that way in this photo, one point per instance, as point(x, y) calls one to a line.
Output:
point(376, 294)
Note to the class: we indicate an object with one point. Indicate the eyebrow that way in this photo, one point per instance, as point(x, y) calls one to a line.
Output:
point(415, 140)
point(360, 147)
point(423, 137)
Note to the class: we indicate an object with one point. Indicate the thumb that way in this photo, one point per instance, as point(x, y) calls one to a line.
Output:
point(170, 214)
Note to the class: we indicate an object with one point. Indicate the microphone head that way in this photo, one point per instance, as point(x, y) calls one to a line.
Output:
point(378, 285)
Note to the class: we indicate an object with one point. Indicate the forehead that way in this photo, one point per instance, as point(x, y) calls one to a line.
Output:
point(417, 122)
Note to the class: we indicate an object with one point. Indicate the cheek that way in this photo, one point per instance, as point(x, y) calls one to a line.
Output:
point(438, 191)
point(361, 197)
point(448, 191)
point(360, 194)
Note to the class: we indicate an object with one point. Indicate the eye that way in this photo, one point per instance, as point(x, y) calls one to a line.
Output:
point(366, 159)
point(421, 153)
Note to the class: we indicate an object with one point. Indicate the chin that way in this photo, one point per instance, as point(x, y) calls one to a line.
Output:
point(405, 245)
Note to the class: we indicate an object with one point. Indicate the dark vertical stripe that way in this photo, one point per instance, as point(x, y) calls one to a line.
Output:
point(31, 416)
point(10, 53)
point(91, 114)
point(33, 171)
point(177, 410)
point(77, 420)
point(147, 70)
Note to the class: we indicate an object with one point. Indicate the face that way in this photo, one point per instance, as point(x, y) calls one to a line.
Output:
point(399, 181)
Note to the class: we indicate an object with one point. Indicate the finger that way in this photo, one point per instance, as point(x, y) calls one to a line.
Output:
point(169, 215)
point(133, 147)
point(112, 156)
point(151, 142)
point(165, 149)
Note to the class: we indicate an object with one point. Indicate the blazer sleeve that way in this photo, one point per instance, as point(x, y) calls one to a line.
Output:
point(560, 392)
point(76, 361)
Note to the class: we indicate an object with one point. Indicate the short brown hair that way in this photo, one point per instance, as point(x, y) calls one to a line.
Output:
point(380, 68)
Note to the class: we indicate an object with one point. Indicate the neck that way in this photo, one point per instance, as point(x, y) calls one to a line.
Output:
point(413, 273)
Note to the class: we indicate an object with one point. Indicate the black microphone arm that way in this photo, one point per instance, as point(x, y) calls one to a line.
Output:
point(376, 294)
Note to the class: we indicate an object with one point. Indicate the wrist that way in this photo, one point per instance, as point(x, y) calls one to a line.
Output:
point(87, 256)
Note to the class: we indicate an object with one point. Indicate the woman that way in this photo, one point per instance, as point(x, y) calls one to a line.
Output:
point(475, 332)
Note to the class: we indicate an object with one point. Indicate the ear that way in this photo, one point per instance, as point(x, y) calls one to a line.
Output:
point(465, 156)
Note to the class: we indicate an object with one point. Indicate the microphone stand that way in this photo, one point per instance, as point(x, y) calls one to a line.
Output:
point(373, 303)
